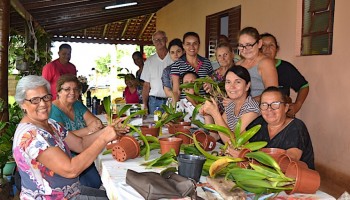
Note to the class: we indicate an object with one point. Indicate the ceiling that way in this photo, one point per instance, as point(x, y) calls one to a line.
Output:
point(88, 21)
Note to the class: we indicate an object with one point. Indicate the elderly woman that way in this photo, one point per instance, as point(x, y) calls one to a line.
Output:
point(242, 105)
point(261, 68)
point(75, 117)
point(42, 147)
point(191, 61)
point(281, 131)
point(224, 56)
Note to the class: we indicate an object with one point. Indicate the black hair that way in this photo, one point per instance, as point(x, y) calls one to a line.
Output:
point(175, 42)
point(276, 89)
point(241, 72)
point(273, 37)
point(137, 53)
point(64, 46)
point(188, 72)
point(194, 34)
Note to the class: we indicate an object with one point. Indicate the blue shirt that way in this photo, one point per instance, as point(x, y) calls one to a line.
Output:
point(71, 125)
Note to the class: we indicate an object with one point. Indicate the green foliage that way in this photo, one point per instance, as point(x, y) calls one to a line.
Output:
point(8, 130)
point(149, 50)
point(103, 65)
point(24, 51)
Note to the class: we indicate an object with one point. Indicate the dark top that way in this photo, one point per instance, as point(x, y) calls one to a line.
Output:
point(289, 77)
point(294, 135)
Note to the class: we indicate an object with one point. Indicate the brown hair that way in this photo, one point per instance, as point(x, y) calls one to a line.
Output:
point(67, 78)
point(253, 32)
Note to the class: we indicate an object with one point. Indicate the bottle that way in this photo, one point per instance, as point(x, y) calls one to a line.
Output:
point(88, 100)
point(157, 114)
point(94, 105)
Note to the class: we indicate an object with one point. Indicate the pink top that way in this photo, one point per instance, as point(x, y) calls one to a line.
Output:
point(53, 70)
point(130, 97)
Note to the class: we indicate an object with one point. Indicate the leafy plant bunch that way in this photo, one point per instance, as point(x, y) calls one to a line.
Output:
point(21, 50)
point(7, 130)
point(216, 92)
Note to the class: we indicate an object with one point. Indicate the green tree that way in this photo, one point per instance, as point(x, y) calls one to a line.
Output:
point(103, 65)
point(149, 50)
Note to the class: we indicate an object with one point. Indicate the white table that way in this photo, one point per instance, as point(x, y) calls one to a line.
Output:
point(113, 175)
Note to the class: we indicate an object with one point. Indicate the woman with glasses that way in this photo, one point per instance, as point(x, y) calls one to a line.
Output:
point(242, 105)
point(261, 68)
point(42, 147)
point(281, 131)
point(75, 117)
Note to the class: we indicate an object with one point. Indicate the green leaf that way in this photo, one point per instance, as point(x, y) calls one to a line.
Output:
point(107, 106)
point(244, 137)
point(240, 174)
point(143, 138)
point(221, 129)
point(263, 158)
point(196, 111)
point(124, 109)
point(186, 85)
point(253, 146)
point(199, 99)
point(265, 170)
point(140, 112)
point(196, 88)
point(238, 128)
point(162, 161)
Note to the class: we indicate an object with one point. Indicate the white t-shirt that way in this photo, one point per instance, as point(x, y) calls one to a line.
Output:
point(152, 73)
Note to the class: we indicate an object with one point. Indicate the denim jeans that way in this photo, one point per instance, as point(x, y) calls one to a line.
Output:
point(90, 177)
point(87, 193)
point(153, 103)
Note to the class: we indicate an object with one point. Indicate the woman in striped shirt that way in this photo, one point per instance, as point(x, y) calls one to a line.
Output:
point(191, 61)
point(242, 105)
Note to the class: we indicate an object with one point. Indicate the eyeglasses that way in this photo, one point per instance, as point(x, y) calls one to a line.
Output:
point(247, 46)
point(274, 105)
point(158, 40)
point(70, 89)
point(37, 100)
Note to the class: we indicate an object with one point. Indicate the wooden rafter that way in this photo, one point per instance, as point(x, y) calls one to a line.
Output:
point(146, 25)
point(104, 30)
point(125, 28)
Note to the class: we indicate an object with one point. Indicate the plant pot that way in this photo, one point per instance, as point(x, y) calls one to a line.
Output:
point(208, 142)
point(191, 166)
point(306, 180)
point(146, 130)
point(172, 128)
point(9, 168)
point(186, 130)
point(240, 154)
point(166, 144)
point(111, 144)
point(274, 152)
point(126, 148)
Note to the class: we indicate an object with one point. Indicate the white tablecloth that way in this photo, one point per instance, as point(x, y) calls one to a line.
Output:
point(113, 175)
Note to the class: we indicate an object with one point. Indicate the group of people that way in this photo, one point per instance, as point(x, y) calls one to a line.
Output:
point(58, 138)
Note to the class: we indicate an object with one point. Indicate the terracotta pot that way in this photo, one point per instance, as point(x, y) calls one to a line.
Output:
point(274, 152)
point(240, 154)
point(170, 143)
point(111, 144)
point(283, 161)
point(172, 128)
point(126, 148)
point(146, 130)
point(185, 139)
point(306, 180)
point(207, 141)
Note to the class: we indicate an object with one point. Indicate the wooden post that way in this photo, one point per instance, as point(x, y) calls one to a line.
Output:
point(4, 43)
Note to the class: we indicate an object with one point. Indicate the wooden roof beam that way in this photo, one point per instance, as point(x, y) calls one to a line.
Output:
point(146, 24)
point(104, 30)
point(125, 28)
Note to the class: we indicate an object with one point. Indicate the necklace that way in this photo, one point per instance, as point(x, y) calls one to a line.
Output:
point(274, 130)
